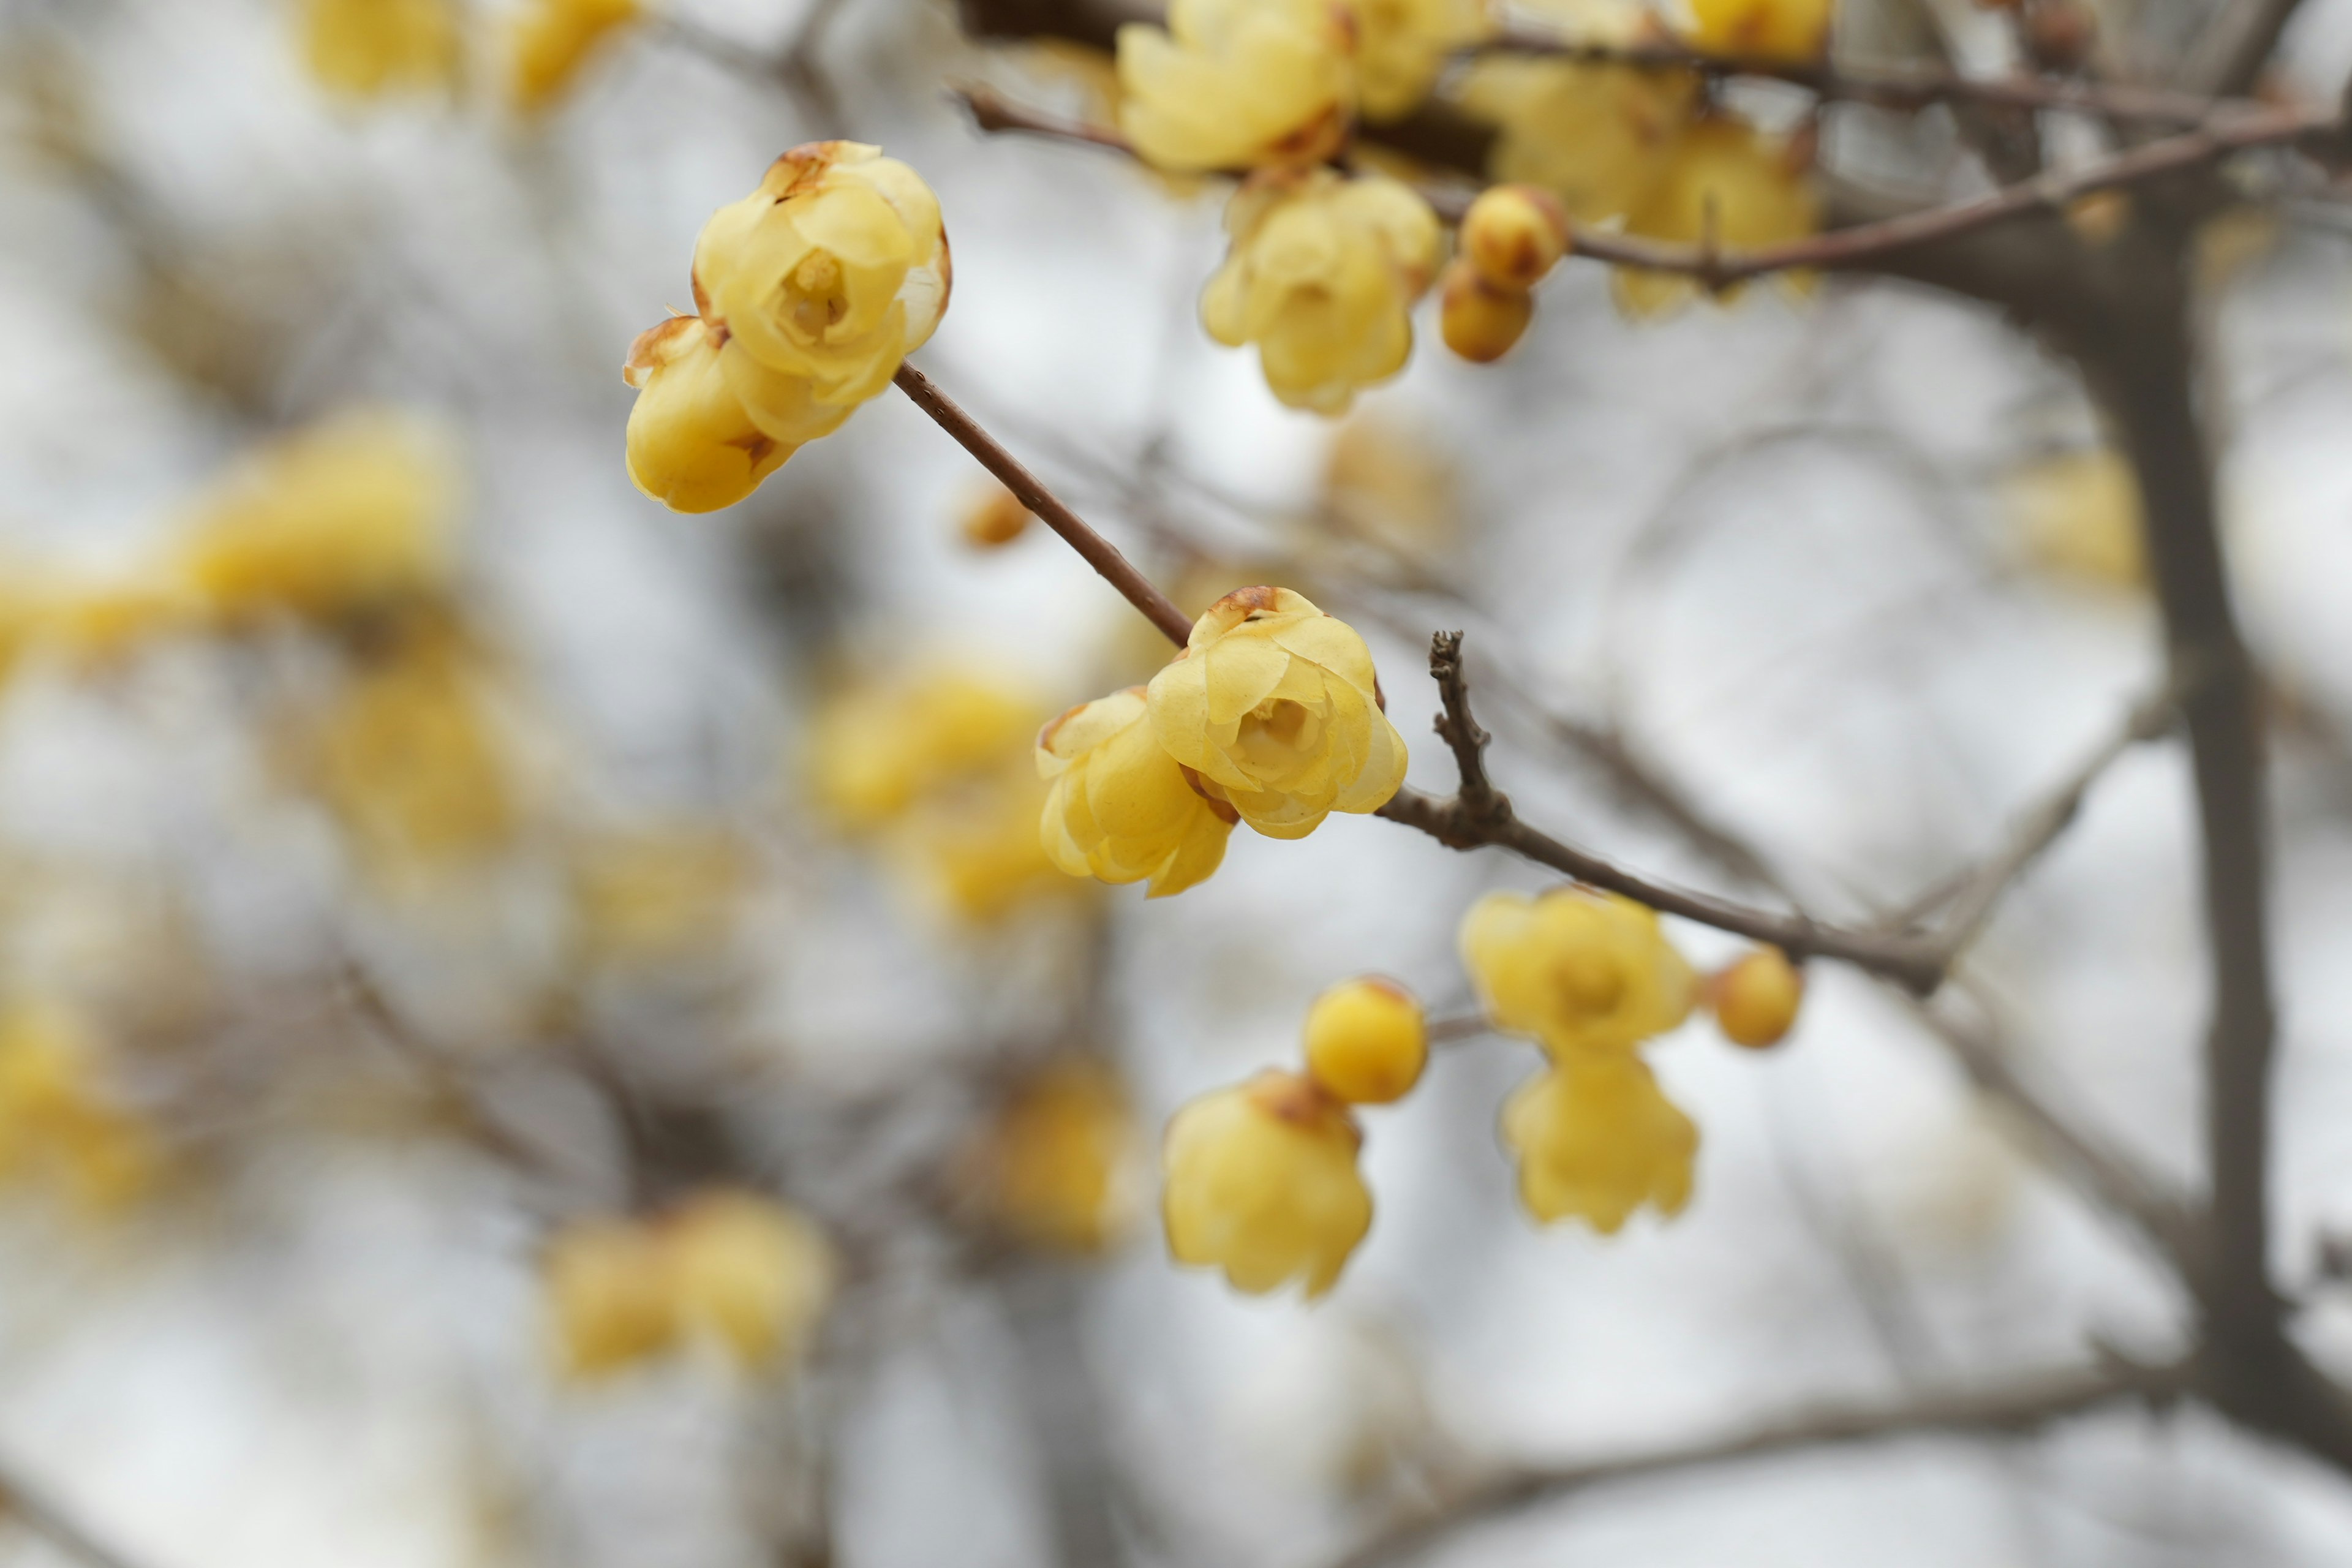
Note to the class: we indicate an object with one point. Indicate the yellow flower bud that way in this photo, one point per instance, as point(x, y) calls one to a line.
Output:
point(1482, 321)
point(369, 49)
point(1238, 84)
point(692, 445)
point(1402, 45)
point(993, 517)
point(609, 1295)
point(1057, 1164)
point(549, 42)
point(1321, 276)
point(753, 1275)
point(1596, 1139)
point(1261, 1181)
point(1119, 807)
point(1514, 235)
point(1366, 1041)
point(1580, 971)
point(824, 279)
point(1793, 30)
point(1275, 705)
point(1725, 182)
point(1595, 136)
point(1755, 998)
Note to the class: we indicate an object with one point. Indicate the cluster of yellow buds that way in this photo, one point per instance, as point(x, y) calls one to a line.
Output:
point(368, 49)
point(1260, 1179)
point(1055, 1169)
point(1511, 238)
point(1271, 715)
point(61, 1127)
point(810, 292)
point(735, 1270)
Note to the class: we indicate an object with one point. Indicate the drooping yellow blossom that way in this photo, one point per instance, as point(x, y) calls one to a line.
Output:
point(1596, 136)
point(658, 893)
point(1275, 705)
point(1321, 275)
point(1366, 1041)
point(1057, 1162)
point(59, 1126)
point(2077, 515)
point(1480, 319)
point(369, 49)
point(1119, 807)
point(611, 1300)
point(1261, 1181)
point(1792, 30)
point(550, 42)
point(1238, 84)
point(993, 517)
point(692, 445)
point(1514, 235)
point(1724, 182)
point(1755, 998)
point(876, 748)
point(753, 1275)
point(1384, 481)
point(348, 517)
point(1596, 1139)
point(1579, 969)
point(1402, 45)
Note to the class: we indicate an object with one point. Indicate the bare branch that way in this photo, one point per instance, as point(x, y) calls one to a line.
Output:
point(44, 1516)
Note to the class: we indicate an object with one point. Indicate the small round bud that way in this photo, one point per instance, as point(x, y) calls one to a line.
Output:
point(1514, 235)
point(994, 518)
point(1366, 1042)
point(2059, 34)
point(1755, 998)
point(1480, 321)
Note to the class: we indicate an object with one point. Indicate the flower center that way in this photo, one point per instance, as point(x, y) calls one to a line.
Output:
point(1277, 730)
point(1591, 984)
point(817, 299)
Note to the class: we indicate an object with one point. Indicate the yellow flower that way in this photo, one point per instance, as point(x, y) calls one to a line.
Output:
point(974, 846)
point(1514, 235)
point(367, 48)
point(2077, 515)
point(1792, 30)
point(551, 42)
point(1275, 705)
point(1366, 1041)
point(99, 617)
point(751, 1274)
point(1057, 1162)
point(59, 1126)
point(1480, 319)
point(1384, 480)
point(1582, 970)
point(610, 1297)
point(1596, 1139)
point(346, 518)
point(823, 279)
point(1723, 178)
point(1238, 84)
point(1261, 1181)
point(1402, 45)
point(692, 444)
point(658, 893)
point(1596, 136)
point(1322, 274)
point(1119, 807)
point(993, 517)
point(875, 749)
point(1757, 997)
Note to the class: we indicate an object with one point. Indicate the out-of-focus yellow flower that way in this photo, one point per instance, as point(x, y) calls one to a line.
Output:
point(657, 894)
point(1793, 30)
point(549, 42)
point(993, 517)
point(1755, 998)
point(1596, 136)
point(1514, 235)
point(1402, 45)
point(1057, 1162)
point(1596, 1139)
point(1384, 481)
point(692, 445)
point(611, 1297)
point(1238, 84)
point(975, 845)
point(1321, 276)
point(369, 48)
point(1275, 705)
point(59, 1127)
point(1725, 180)
point(1261, 1181)
point(1366, 1041)
point(1119, 807)
point(876, 748)
point(2078, 515)
point(347, 517)
point(1482, 321)
point(753, 1275)
point(1581, 970)
point(98, 618)
point(825, 278)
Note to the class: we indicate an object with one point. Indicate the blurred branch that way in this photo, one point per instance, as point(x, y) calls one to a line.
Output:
point(42, 1515)
point(2235, 46)
point(2018, 1409)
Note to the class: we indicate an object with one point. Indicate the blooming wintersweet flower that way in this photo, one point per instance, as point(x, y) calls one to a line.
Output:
point(1238, 84)
point(1402, 45)
point(877, 747)
point(369, 48)
point(1057, 1167)
point(1274, 704)
point(692, 444)
point(550, 42)
point(1584, 971)
point(1595, 135)
point(1727, 184)
point(1119, 807)
point(1261, 1181)
point(1321, 275)
point(1596, 1139)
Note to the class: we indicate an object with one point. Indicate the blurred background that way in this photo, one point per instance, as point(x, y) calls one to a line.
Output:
point(444, 892)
